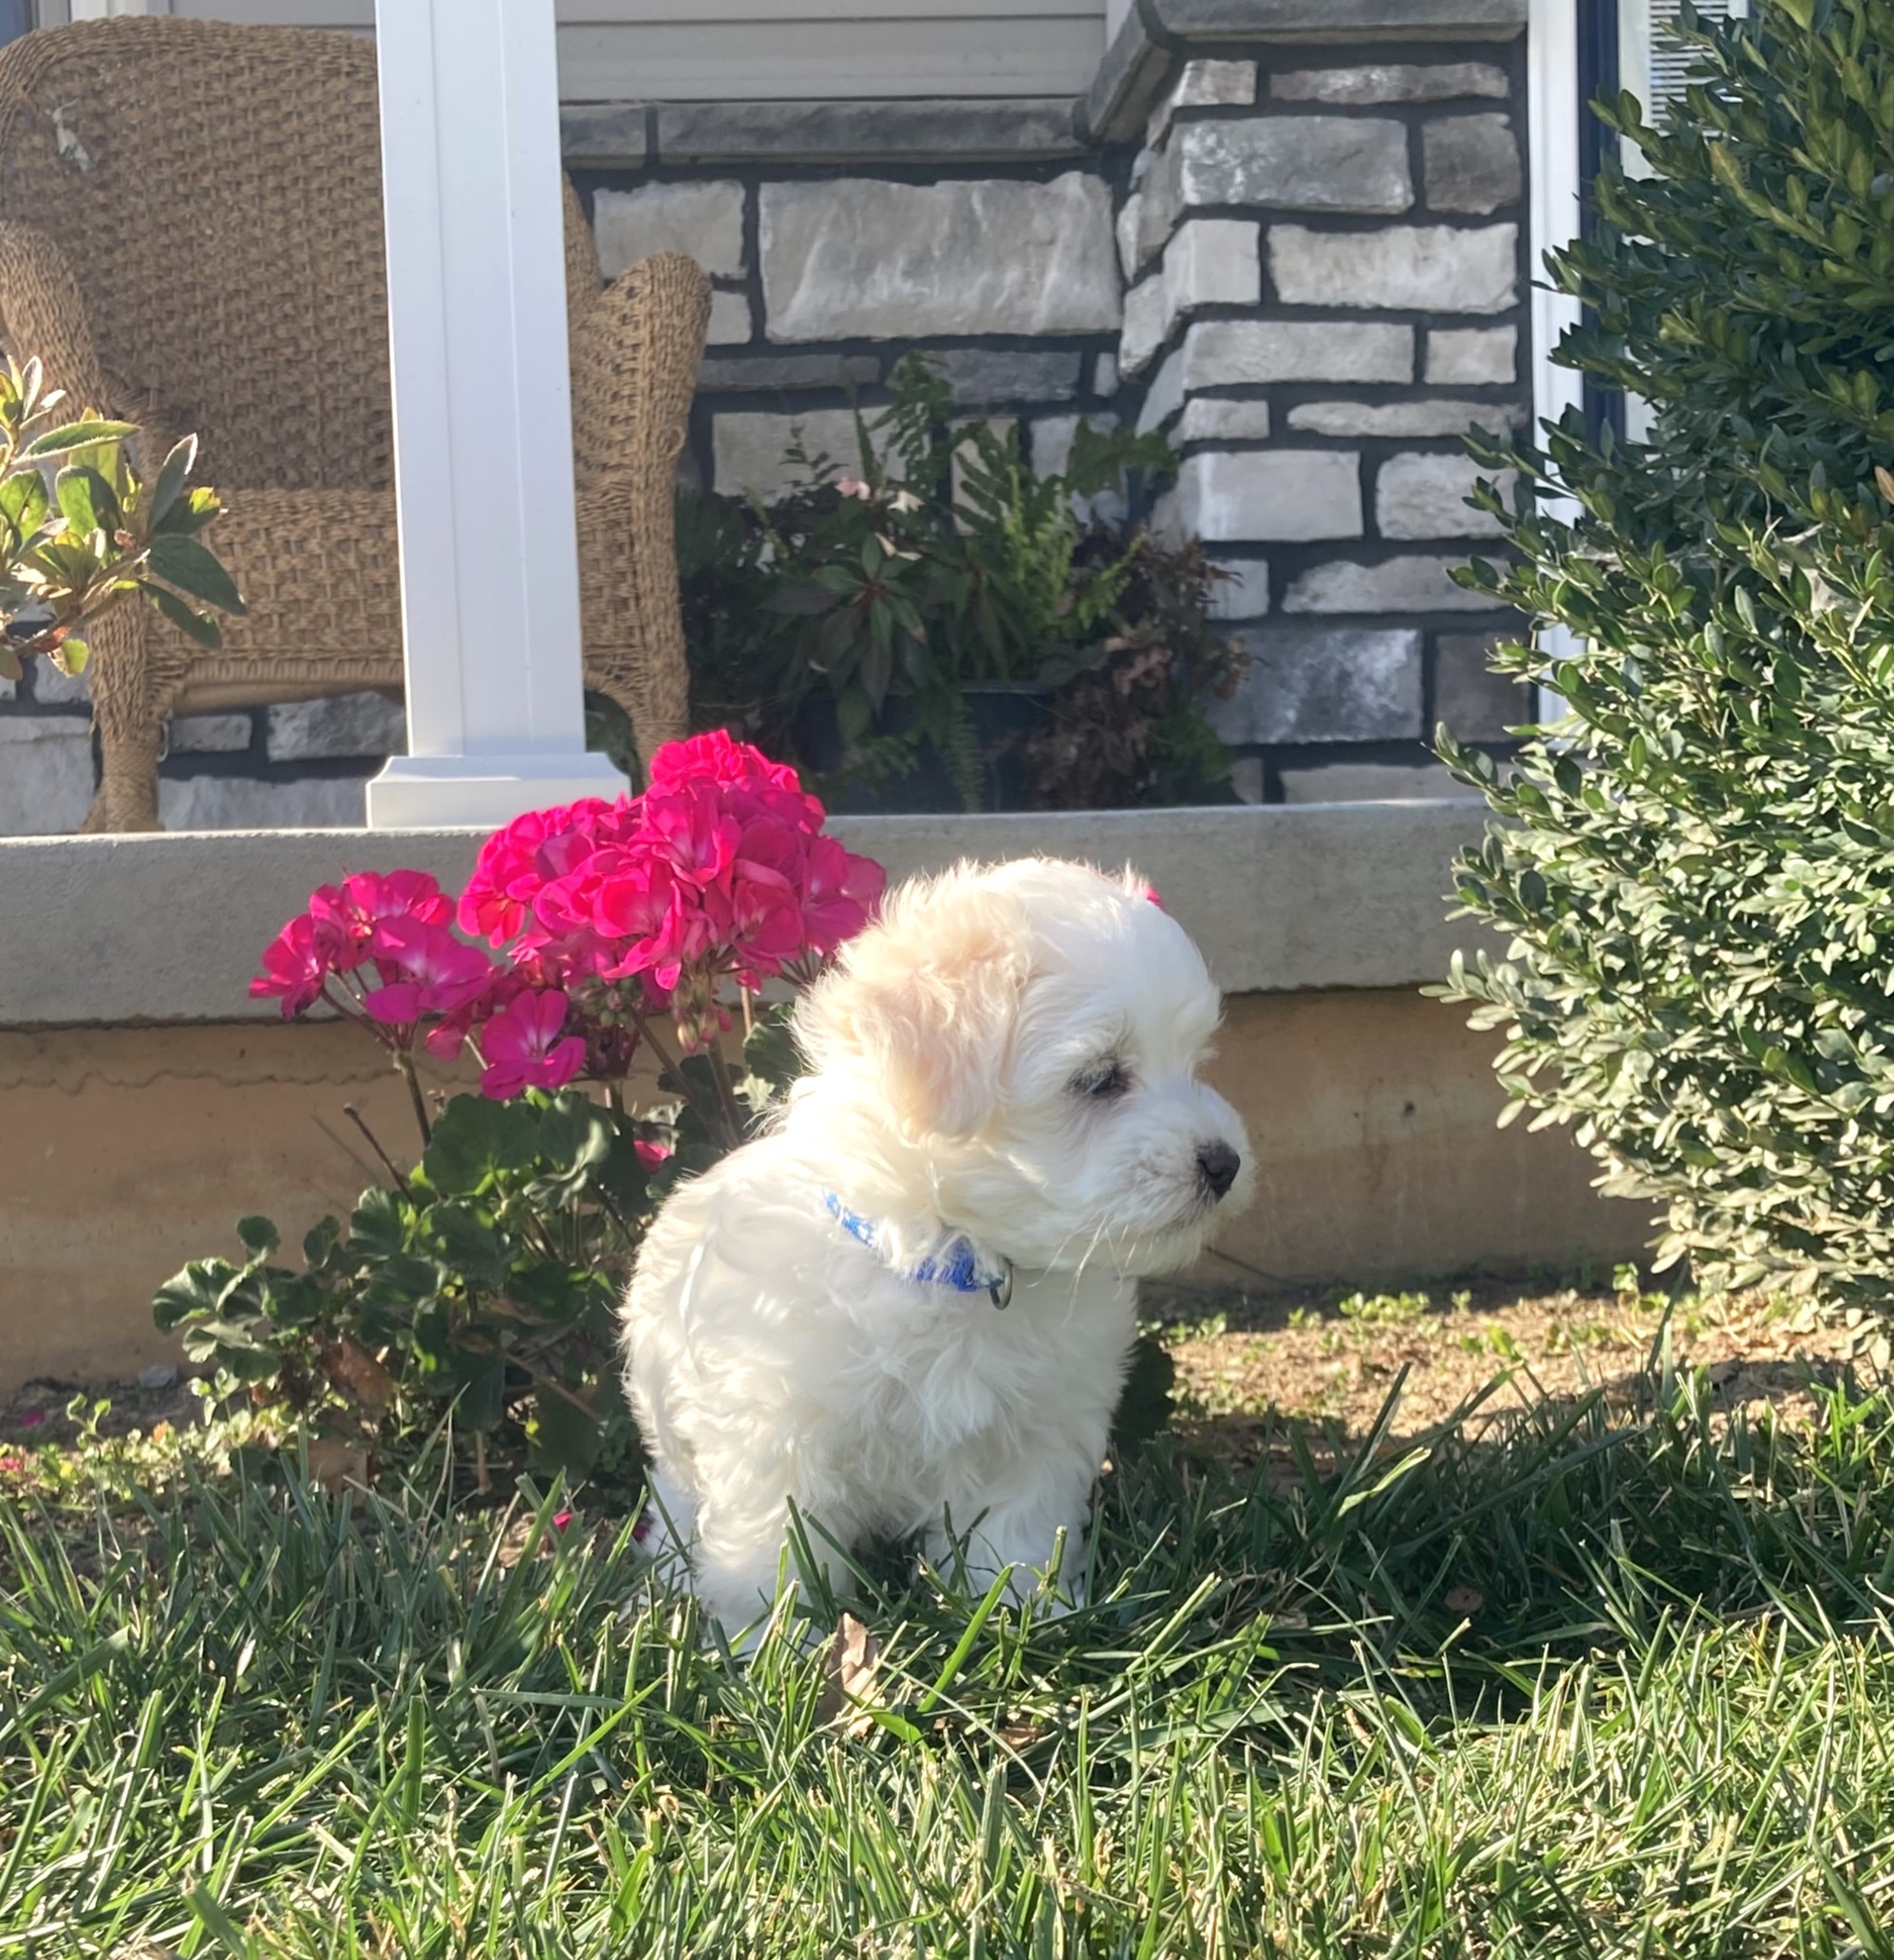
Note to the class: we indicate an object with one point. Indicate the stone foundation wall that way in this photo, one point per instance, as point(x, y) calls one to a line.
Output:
point(837, 236)
point(300, 764)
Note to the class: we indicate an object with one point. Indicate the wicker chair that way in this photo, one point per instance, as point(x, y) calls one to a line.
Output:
point(191, 239)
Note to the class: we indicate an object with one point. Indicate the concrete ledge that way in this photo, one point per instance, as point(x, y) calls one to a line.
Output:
point(120, 931)
point(1114, 109)
point(605, 136)
point(1370, 1110)
point(1340, 20)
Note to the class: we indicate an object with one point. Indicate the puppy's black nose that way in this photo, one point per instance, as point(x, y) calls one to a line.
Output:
point(1217, 1165)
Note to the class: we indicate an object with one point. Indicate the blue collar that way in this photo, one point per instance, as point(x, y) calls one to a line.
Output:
point(959, 1265)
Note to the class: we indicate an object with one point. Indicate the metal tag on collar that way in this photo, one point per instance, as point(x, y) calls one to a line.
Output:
point(1001, 1292)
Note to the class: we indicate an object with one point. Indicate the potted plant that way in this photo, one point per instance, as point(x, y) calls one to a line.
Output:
point(910, 631)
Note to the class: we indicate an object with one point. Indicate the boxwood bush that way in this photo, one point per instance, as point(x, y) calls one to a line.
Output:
point(1696, 872)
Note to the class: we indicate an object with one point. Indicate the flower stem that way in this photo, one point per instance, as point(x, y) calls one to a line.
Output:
point(356, 1117)
point(404, 1062)
point(666, 1063)
point(725, 1109)
point(725, 1094)
point(551, 1385)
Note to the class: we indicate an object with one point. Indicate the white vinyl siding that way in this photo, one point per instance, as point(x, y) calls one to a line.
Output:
point(750, 50)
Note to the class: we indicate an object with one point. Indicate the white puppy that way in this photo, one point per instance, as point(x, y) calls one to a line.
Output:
point(909, 1305)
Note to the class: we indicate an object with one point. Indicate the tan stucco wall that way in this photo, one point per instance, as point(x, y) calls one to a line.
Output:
point(1372, 1118)
point(131, 1150)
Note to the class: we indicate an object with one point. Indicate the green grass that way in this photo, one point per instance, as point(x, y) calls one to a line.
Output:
point(1574, 1688)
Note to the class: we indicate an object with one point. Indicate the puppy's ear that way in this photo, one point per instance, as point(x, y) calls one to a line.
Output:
point(922, 1002)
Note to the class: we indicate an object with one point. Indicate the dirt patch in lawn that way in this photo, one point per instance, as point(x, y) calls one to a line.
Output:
point(67, 1412)
point(1328, 1360)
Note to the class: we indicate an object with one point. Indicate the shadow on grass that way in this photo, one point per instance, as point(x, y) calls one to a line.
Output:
point(1552, 1527)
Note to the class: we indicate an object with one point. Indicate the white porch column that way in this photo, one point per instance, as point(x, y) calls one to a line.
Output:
point(482, 402)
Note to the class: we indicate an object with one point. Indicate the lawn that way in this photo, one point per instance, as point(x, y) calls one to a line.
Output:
point(1579, 1671)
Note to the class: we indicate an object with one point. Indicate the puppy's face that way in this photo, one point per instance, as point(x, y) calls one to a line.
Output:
point(1035, 1031)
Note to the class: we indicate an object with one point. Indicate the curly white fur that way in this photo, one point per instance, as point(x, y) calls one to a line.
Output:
point(1009, 1056)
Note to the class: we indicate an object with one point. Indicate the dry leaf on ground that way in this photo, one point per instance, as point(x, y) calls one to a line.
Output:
point(336, 1465)
point(850, 1670)
point(356, 1371)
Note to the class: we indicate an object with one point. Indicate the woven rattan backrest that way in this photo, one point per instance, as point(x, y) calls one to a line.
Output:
point(217, 189)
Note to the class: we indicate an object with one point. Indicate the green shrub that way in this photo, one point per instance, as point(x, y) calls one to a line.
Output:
point(1698, 869)
point(857, 613)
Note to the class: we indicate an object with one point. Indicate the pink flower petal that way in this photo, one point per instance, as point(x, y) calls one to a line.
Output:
point(395, 1007)
point(296, 964)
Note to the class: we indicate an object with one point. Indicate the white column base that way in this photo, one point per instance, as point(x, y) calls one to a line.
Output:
point(433, 792)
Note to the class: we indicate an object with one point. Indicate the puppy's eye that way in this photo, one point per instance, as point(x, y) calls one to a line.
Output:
point(1102, 1081)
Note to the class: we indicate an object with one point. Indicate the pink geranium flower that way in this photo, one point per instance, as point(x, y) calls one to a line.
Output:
point(522, 1046)
point(349, 913)
point(695, 830)
point(718, 758)
point(607, 914)
point(635, 898)
point(425, 971)
point(577, 958)
point(448, 1035)
point(839, 894)
point(519, 859)
point(295, 965)
point(336, 934)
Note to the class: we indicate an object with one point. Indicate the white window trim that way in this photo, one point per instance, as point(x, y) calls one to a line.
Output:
point(1552, 110)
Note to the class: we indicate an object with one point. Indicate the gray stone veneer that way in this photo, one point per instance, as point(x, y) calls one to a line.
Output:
point(1375, 184)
